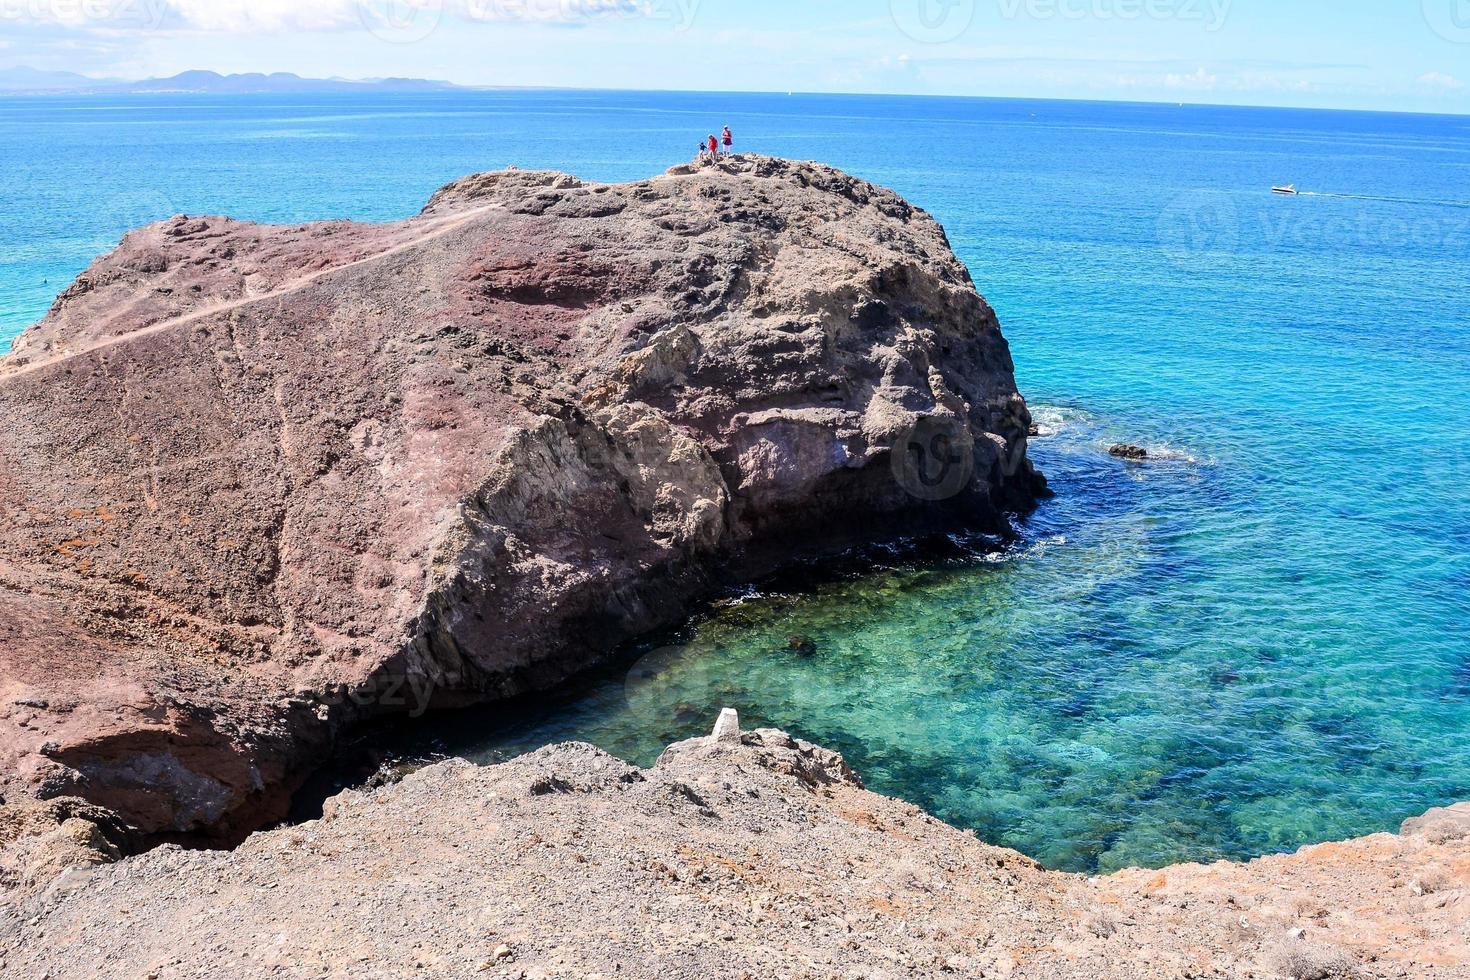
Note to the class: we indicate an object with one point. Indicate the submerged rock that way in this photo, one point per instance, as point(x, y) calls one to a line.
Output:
point(803, 645)
point(1129, 452)
point(261, 482)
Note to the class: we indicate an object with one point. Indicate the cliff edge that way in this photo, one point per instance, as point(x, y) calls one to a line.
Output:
point(751, 855)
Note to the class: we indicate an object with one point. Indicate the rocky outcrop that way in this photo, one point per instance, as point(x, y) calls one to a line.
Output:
point(1136, 454)
point(39, 841)
point(750, 855)
point(258, 483)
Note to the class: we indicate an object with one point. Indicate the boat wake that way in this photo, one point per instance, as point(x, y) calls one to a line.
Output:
point(1421, 202)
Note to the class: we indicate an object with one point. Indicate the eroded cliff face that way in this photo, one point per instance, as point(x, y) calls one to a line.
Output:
point(257, 483)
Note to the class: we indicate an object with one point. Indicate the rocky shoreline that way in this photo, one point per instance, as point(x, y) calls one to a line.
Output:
point(737, 855)
point(262, 484)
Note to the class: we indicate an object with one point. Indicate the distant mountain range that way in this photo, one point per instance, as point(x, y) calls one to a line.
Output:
point(30, 81)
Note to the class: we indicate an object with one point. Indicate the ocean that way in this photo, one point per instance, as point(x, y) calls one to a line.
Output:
point(1257, 640)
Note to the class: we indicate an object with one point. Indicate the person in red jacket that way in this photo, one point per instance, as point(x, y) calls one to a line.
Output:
point(729, 138)
point(714, 147)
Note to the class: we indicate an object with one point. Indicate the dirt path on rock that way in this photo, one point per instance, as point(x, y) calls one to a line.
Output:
point(443, 226)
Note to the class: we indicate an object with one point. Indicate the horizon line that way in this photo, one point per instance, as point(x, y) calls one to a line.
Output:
point(460, 86)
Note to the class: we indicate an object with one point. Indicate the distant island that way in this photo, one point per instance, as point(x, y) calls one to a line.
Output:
point(30, 81)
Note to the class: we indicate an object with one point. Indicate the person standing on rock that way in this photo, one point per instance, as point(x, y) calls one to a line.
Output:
point(714, 147)
point(729, 138)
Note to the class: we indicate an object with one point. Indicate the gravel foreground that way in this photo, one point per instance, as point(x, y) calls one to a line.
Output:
point(745, 855)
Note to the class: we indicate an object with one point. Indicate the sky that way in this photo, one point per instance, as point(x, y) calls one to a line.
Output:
point(1400, 55)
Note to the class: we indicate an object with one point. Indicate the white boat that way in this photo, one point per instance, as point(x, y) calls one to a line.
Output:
point(1288, 189)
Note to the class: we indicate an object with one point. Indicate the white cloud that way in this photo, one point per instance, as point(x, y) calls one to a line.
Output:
point(1441, 82)
point(550, 11)
point(276, 16)
point(262, 16)
point(1197, 80)
point(230, 16)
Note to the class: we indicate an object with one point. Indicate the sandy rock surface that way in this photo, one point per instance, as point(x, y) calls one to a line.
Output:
point(261, 483)
point(755, 855)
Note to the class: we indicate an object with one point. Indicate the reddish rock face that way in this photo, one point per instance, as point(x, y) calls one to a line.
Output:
point(260, 482)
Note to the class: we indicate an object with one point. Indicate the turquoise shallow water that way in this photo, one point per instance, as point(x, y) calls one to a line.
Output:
point(1258, 641)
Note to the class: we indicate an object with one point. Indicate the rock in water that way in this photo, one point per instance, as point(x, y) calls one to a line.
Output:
point(1136, 454)
point(801, 644)
point(257, 483)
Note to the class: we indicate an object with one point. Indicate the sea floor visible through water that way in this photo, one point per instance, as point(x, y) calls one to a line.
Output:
point(1253, 641)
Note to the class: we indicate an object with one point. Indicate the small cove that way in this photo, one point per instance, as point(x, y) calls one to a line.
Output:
point(1255, 641)
point(1015, 687)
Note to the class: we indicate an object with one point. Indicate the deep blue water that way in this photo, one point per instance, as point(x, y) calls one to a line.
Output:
point(1258, 641)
